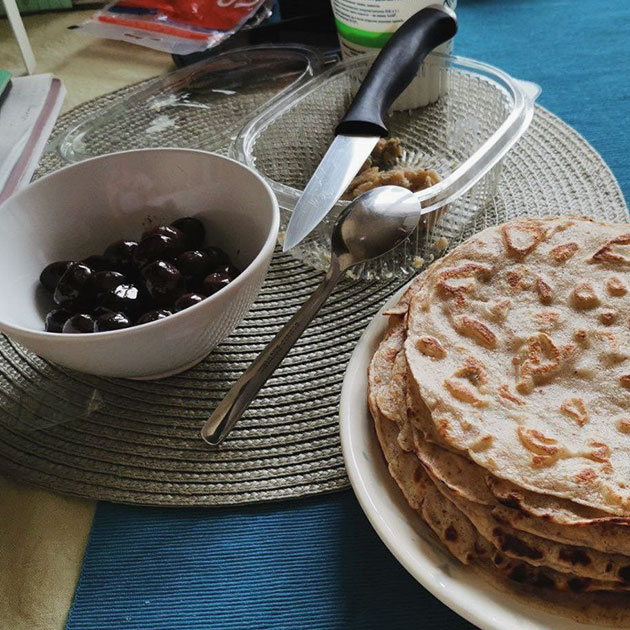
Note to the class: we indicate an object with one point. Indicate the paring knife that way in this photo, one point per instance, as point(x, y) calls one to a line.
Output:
point(360, 129)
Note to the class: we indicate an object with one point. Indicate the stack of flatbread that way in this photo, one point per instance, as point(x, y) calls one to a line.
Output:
point(501, 398)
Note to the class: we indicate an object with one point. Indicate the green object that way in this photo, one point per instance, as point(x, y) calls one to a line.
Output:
point(5, 80)
point(35, 6)
point(360, 37)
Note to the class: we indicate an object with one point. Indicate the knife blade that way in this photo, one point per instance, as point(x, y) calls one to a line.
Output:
point(360, 129)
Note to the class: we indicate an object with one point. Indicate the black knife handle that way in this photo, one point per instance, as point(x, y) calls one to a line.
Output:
point(395, 67)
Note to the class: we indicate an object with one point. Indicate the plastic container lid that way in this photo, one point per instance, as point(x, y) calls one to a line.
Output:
point(463, 136)
point(200, 106)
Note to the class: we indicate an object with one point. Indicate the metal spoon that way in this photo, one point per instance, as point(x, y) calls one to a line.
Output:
point(369, 227)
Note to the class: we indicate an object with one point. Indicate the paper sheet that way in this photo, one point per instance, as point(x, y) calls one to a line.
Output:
point(27, 117)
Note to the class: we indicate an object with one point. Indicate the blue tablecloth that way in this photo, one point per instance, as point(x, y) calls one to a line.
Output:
point(317, 563)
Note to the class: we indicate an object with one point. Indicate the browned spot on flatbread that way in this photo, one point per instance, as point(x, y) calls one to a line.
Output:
point(580, 335)
point(537, 442)
point(546, 318)
point(450, 533)
point(623, 425)
point(499, 309)
point(545, 450)
point(608, 253)
point(509, 543)
point(584, 296)
point(482, 444)
point(575, 556)
point(586, 475)
point(616, 286)
point(476, 330)
point(600, 452)
point(461, 391)
point(473, 371)
point(513, 278)
point(545, 292)
point(607, 317)
point(625, 381)
point(443, 426)
point(457, 281)
point(541, 360)
point(575, 408)
point(504, 392)
point(562, 253)
point(431, 347)
point(521, 237)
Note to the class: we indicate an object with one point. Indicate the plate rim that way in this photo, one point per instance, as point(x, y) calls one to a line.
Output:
point(478, 601)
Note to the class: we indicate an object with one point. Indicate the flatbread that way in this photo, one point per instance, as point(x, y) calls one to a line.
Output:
point(519, 345)
point(537, 586)
point(538, 551)
point(469, 481)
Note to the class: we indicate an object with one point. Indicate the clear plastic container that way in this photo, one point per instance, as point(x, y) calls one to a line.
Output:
point(201, 106)
point(463, 136)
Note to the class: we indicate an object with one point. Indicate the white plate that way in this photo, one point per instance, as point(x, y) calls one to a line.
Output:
point(400, 528)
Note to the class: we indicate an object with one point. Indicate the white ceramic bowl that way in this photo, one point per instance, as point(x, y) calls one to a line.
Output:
point(78, 210)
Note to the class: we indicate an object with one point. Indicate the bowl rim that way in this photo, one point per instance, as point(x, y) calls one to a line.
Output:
point(266, 249)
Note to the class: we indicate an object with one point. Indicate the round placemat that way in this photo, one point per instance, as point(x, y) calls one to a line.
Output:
point(138, 442)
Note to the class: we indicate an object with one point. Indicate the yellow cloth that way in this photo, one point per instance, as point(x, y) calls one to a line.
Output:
point(43, 535)
point(42, 540)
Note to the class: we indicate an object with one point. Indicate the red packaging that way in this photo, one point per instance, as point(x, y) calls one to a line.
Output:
point(176, 26)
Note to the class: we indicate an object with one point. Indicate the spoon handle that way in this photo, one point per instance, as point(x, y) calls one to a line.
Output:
point(231, 408)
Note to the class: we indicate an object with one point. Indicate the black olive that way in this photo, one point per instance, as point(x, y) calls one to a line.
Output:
point(56, 319)
point(163, 280)
point(229, 270)
point(112, 321)
point(75, 286)
point(107, 280)
point(125, 298)
point(97, 263)
point(79, 323)
point(164, 230)
point(120, 254)
point(52, 273)
point(157, 247)
point(100, 310)
point(215, 281)
point(153, 316)
point(193, 230)
point(217, 256)
point(187, 300)
point(193, 264)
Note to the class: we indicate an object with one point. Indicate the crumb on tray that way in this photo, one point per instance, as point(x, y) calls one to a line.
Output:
point(440, 244)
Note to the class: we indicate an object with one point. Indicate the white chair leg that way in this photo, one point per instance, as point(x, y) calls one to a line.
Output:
point(17, 26)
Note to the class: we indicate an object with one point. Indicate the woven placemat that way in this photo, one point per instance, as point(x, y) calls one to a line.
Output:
point(138, 442)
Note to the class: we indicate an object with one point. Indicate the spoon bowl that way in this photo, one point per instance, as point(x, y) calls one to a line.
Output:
point(374, 224)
